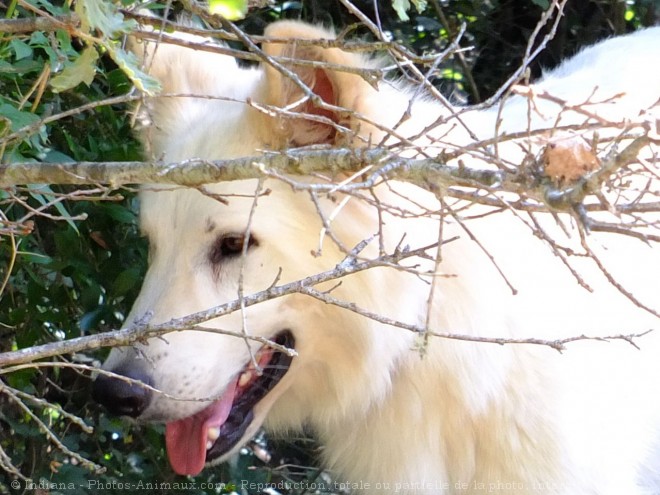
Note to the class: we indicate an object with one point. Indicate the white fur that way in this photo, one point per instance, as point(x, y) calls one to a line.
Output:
point(461, 417)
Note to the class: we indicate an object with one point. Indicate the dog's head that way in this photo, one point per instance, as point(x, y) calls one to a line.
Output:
point(214, 380)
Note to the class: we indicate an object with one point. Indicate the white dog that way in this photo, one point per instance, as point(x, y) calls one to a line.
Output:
point(398, 411)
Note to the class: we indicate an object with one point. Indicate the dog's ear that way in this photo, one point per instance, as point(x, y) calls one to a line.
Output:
point(303, 120)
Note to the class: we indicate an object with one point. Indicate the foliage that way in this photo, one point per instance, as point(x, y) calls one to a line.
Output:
point(72, 260)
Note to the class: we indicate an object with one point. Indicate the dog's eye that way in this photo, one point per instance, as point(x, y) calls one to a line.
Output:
point(230, 245)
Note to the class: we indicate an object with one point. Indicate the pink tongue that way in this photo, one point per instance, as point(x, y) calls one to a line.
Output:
point(186, 439)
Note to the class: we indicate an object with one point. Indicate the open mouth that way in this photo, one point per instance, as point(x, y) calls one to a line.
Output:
point(192, 442)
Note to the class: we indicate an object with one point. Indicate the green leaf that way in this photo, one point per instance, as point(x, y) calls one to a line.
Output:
point(21, 49)
point(23, 66)
point(44, 195)
point(229, 9)
point(38, 39)
point(103, 16)
point(82, 70)
point(17, 119)
point(36, 258)
point(54, 156)
point(130, 65)
point(401, 7)
point(119, 213)
point(544, 4)
point(420, 5)
point(126, 280)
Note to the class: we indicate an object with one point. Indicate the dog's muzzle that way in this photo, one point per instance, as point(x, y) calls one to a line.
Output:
point(214, 431)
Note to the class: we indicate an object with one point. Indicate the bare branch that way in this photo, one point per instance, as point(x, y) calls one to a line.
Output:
point(558, 345)
point(29, 25)
point(142, 331)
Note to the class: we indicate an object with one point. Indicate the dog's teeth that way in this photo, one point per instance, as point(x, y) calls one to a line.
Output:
point(245, 379)
point(213, 434)
point(209, 444)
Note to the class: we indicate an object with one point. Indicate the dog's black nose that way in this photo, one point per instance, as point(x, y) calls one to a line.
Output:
point(123, 397)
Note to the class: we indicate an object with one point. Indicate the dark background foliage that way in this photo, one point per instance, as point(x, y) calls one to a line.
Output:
point(66, 278)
